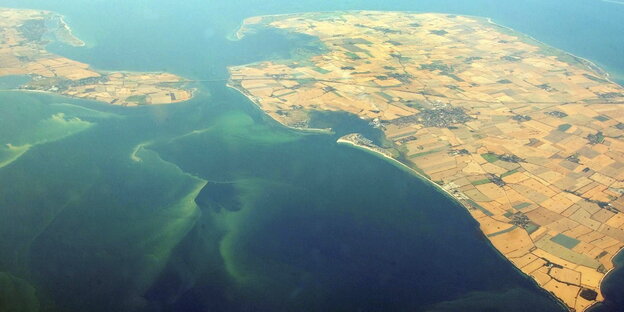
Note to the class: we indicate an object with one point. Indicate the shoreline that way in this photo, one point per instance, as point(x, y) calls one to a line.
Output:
point(456, 195)
point(257, 106)
point(192, 91)
point(610, 271)
point(63, 25)
point(436, 186)
point(404, 167)
point(57, 30)
point(588, 63)
point(595, 68)
point(460, 202)
point(591, 65)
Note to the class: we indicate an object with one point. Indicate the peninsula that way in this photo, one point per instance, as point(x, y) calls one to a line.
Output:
point(528, 138)
point(24, 35)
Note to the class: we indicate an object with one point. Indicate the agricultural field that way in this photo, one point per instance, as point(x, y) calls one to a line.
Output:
point(528, 138)
point(24, 35)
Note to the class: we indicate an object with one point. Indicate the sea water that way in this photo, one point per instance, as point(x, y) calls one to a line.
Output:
point(114, 211)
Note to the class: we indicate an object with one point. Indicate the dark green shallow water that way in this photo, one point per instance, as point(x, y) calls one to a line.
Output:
point(209, 206)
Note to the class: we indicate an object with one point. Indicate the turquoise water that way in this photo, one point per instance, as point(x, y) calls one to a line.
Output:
point(12, 82)
point(210, 206)
point(588, 28)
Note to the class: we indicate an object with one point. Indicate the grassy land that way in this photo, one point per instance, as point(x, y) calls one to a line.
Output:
point(139, 99)
point(490, 157)
point(424, 153)
point(479, 182)
point(564, 127)
point(508, 173)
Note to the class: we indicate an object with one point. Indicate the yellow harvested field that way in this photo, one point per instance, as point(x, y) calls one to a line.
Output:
point(528, 138)
point(22, 52)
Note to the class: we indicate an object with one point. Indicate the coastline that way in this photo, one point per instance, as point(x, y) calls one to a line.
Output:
point(459, 201)
point(591, 65)
point(64, 26)
point(192, 91)
point(588, 63)
point(609, 272)
point(436, 186)
point(405, 167)
point(164, 87)
point(229, 84)
point(456, 195)
point(595, 68)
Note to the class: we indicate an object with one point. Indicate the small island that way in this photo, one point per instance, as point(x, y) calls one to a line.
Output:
point(528, 138)
point(24, 35)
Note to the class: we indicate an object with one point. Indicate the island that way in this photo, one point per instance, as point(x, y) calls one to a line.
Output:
point(24, 35)
point(528, 138)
